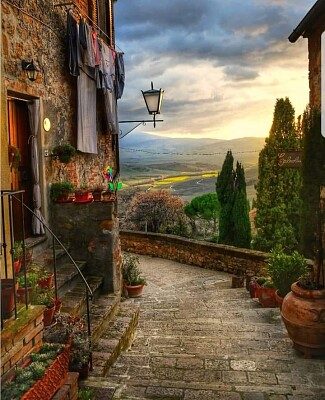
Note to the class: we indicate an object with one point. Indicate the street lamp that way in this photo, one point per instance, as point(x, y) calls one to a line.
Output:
point(153, 99)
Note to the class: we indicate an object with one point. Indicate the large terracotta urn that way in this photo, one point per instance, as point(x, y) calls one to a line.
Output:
point(303, 313)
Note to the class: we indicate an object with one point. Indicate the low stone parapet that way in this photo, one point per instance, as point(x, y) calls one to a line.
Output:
point(193, 252)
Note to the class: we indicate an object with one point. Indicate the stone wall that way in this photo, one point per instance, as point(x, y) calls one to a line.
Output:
point(314, 54)
point(206, 255)
point(91, 232)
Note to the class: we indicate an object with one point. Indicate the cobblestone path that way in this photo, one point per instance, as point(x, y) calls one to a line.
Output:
point(198, 339)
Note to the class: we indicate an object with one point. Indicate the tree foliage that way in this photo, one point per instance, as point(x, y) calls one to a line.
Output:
point(225, 193)
point(157, 209)
point(313, 176)
point(278, 189)
point(234, 224)
point(240, 211)
point(205, 207)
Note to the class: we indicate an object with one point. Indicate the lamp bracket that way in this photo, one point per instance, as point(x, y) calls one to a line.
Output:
point(143, 122)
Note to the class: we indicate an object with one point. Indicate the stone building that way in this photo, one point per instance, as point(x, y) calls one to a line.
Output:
point(61, 105)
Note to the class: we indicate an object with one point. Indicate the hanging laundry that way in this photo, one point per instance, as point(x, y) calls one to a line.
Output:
point(111, 111)
point(87, 133)
point(108, 66)
point(73, 44)
point(87, 54)
point(119, 75)
point(82, 34)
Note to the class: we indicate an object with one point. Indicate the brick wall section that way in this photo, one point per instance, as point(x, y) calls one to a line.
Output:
point(206, 255)
point(21, 337)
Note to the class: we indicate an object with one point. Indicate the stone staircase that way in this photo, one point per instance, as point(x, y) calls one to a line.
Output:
point(113, 319)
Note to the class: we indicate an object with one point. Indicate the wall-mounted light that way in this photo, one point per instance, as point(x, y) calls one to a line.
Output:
point(153, 99)
point(30, 69)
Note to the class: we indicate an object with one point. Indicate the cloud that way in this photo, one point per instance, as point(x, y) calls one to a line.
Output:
point(219, 62)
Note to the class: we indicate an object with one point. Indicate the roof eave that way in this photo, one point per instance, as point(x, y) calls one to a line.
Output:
point(312, 15)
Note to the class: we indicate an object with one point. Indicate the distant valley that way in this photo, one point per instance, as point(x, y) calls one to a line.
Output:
point(147, 158)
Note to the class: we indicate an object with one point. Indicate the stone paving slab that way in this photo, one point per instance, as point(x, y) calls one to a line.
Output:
point(200, 339)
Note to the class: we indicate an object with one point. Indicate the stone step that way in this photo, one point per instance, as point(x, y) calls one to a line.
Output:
point(74, 300)
point(100, 387)
point(117, 336)
point(103, 310)
point(66, 274)
point(45, 258)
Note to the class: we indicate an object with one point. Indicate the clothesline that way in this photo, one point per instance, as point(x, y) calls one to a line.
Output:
point(86, 16)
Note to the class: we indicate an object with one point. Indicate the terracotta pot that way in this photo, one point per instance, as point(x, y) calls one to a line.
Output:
point(81, 195)
point(21, 294)
point(303, 313)
point(279, 299)
point(134, 291)
point(108, 196)
point(266, 296)
point(58, 305)
point(237, 281)
point(83, 370)
point(64, 199)
point(7, 297)
point(17, 266)
point(97, 195)
point(46, 282)
point(48, 315)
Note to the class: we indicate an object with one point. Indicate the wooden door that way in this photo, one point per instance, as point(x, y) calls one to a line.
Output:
point(21, 179)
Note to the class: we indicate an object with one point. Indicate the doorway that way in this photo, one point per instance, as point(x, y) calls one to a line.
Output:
point(21, 177)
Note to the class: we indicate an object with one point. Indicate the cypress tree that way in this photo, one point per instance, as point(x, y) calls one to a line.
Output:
point(242, 227)
point(225, 192)
point(313, 176)
point(277, 190)
point(234, 225)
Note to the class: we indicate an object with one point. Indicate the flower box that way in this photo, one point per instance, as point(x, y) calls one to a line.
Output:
point(54, 378)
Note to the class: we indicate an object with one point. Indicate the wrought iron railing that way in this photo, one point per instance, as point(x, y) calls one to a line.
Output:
point(8, 197)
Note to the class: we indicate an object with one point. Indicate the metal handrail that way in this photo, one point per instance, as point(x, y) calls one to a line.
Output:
point(89, 294)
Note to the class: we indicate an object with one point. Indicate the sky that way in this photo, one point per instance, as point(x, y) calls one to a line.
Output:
point(221, 63)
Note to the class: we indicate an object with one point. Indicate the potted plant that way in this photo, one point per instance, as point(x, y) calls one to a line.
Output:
point(265, 291)
point(72, 329)
point(31, 282)
point(80, 353)
point(17, 253)
point(60, 191)
point(97, 192)
point(284, 270)
point(133, 281)
point(81, 194)
point(64, 152)
point(14, 156)
point(45, 296)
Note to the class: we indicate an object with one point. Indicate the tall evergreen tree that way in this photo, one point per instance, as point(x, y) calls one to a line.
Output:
point(313, 176)
point(277, 190)
point(234, 225)
point(225, 192)
point(240, 211)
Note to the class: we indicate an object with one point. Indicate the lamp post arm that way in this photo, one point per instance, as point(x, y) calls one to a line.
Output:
point(143, 122)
